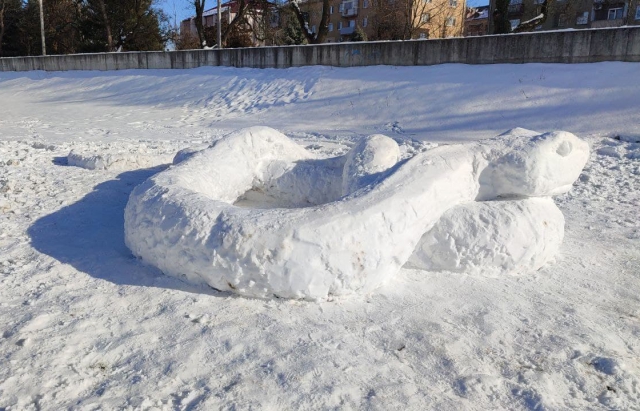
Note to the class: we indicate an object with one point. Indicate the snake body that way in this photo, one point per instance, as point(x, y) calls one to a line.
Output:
point(325, 227)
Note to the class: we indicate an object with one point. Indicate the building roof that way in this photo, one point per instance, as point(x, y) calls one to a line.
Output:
point(477, 13)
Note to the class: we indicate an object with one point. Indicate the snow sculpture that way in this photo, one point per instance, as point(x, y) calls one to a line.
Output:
point(258, 215)
point(492, 238)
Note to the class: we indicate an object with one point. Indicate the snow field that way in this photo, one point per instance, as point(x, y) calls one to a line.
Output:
point(86, 326)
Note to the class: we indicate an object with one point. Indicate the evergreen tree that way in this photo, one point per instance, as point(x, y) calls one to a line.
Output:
point(358, 35)
point(293, 34)
point(10, 14)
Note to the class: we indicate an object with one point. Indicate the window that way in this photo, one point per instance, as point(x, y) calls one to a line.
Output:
point(330, 26)
point(365, 22)
point(453, 3)
point(451, 21)
point(313, 29)
point(615, 14)
point(638, 13)
point(514, 23)
point(516, 1)
point(423, 35)
point(365, 4)
point(582, 18)
point(562, 20)
point(425, 17)
point(330, 9)
point(427, 1)
point(341, 7)
point(339, 25)
point(352, 23)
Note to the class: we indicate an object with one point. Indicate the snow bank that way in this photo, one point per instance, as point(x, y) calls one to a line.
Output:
point(492, 238)
point(259, 215)
point(120, 161)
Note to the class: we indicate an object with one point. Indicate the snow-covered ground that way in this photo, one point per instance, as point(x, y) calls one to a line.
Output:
point(84, 325)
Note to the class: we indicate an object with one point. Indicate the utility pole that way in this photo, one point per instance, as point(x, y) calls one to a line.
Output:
point(44, 47)
point(219, 24)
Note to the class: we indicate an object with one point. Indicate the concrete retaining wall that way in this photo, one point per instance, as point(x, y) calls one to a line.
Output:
point(575, 46)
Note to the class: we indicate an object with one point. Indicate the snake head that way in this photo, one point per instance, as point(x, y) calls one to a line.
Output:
point(519, 164)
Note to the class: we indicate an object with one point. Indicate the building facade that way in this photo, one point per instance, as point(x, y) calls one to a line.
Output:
point(476, 22)
point(388, 19)
point(575, 14)
point(376, 19)
point(256, 19)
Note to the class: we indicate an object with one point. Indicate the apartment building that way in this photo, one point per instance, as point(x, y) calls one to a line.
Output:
point(253, 22)
point(476, 22)
point(388, 19)
point(575, 14)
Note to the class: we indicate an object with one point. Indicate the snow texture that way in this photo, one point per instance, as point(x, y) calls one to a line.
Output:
point(492, 238)
point(542, 165)
point(367, 161)
point(119, 161)
point(196, 220)
point(85, 326)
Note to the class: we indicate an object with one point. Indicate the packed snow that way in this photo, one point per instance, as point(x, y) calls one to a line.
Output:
point(316, 245)
point(492, 238)
point(86, 325)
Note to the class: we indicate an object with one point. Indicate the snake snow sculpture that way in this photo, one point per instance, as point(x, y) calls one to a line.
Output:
point(259, 215)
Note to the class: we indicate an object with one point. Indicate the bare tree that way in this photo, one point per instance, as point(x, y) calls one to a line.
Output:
point(407, 19)
point(532, 23)
point(323, 27)
point(435, 18)
point(263, 18)
point(199, 6)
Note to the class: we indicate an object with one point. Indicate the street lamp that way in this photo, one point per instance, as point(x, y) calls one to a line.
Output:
point(44, 47)
point(219, 25)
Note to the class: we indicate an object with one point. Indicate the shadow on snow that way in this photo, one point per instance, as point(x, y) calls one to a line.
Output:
point(89, 235)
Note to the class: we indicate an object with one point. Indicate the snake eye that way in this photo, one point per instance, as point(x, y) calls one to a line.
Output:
point(564, 149)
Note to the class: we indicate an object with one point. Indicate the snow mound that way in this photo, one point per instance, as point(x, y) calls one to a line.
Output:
point(259, 215)
point(185, 153)
point(121, 161)
point(370, 157)
point(534, 166)
point(492, 238)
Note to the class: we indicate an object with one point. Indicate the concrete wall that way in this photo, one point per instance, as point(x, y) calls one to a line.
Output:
point(575, 46)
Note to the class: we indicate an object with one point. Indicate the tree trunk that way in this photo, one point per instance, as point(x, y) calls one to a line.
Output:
point(531, 24)
point(199, 5)
point(323, 29)
point(2, 9)
point(501, 23)
point(242, 9)
point(105, 17)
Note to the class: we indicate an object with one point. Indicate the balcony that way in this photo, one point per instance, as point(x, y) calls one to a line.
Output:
point(597, 24)
point(350, 11)
point(345, 31)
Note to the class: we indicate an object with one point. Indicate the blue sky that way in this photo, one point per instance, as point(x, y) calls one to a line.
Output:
point(476, 3)
point(180, 9)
